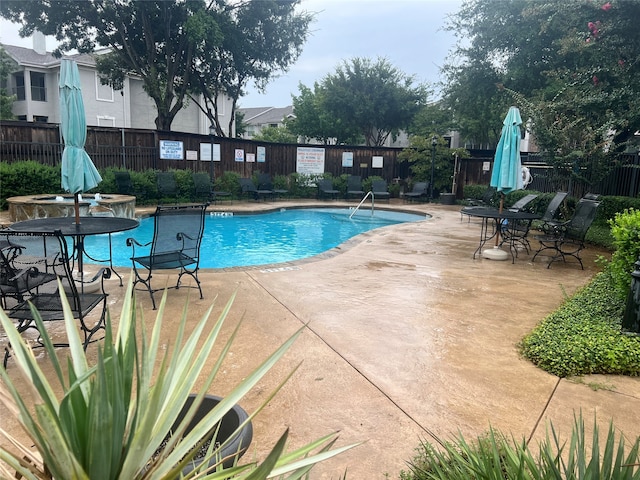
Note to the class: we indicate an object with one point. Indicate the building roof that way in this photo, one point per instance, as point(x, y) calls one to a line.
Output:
point(265, 115)
point(29, 57)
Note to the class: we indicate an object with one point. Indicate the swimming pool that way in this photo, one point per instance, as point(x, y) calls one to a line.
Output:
point(235, 240)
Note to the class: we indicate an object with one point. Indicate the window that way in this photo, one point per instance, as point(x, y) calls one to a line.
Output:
point(104, 93)
point(19, 89)
point(106, 121)
point(22, 118)
point(40, 118)
point(38, 89)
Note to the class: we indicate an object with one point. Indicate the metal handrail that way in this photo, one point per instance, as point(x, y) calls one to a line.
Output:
point(362, 201)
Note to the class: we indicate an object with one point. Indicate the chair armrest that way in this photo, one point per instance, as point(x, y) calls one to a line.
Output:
point(132, 241)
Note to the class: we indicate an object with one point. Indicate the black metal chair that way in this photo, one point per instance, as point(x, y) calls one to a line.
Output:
point(419, 191)
point(167, 186)
point(265, 183)
point(203, 189)
point(354, 187)
point(47, 258)
point(567, 239)
point(325, 189)
point(549, 217)
point(380, 190)
point(248, 188)
point(177, 235)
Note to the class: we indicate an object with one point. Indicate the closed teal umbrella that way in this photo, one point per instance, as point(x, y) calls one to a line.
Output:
point(79, 174)
point(506, 175)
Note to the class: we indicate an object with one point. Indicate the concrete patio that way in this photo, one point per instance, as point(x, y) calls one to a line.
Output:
point(407, 334)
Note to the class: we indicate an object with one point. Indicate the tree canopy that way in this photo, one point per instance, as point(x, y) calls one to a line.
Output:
point(7, 66)
point(177, 48)
point(363, 98)
point(572, 67)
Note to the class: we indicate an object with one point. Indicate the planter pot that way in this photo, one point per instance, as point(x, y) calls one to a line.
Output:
point(240, 440)
point(448, 198)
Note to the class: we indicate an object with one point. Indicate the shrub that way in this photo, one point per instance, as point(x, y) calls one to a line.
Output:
point(494, 456)
point(28, 178)
point(584, 335)
point(625, 231)
point(228, 182)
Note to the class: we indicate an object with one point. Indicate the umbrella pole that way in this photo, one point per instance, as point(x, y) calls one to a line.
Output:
point(500, 220)
point(76, 204)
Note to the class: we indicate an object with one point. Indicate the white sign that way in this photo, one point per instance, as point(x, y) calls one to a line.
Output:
point(251, 157)
point(377, 162)
point(205, 152)
point(239, 155)
point(192, 154)
point(262, 155)
point(171, 150)
point(310, 160)
point(486, 166)
point(347, 159)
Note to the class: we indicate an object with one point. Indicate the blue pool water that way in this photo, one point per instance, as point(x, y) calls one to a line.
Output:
point(246, 240)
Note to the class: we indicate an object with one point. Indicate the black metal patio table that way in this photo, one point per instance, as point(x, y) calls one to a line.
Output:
point(69, 228)
point(496, 218)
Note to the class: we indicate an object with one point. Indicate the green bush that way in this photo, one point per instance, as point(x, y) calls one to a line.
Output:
point(494, 456)
point(28, 178)
point(584, 335)
point(228, 182)
point(625, 230)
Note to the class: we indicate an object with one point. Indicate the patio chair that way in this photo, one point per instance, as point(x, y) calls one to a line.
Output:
point(549, 217)
point(265, 183)
point(354, 187)
point(47, 258)
point(167, 187)
point(19, 280)
point(523, 203)
point(177, 235)
point(567, 239)
point(124, 185)
point(380, 190)
point(248, 188)
point(325, 189)
point(202, 187)
point(420, 191)
point(484, 202)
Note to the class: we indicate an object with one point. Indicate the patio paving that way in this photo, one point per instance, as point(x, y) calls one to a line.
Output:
point(407, 334)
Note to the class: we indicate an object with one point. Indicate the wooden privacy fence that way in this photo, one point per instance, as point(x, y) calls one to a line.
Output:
point(138, 150)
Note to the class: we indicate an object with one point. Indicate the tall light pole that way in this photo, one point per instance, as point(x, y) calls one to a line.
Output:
point(434, 144)
point(212, 174)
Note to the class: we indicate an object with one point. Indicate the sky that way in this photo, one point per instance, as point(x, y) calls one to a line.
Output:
point(408, 33)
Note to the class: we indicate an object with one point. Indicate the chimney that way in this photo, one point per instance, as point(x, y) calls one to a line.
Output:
point(39, 42)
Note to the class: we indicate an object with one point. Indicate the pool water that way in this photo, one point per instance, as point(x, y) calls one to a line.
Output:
point(249, 240)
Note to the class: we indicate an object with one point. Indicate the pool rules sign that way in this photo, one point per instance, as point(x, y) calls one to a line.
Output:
point(310, 160)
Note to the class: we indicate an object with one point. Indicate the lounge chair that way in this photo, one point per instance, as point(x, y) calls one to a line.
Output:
point(567, 239)
point(354, 187)
point(45, 259)
point(265, 183)
point(380, 190)
point(325, 189)
point(248, 188)
point(177, 235)
point(420, 191)
point(522, 204)
point(202, 187)
point(548, 219)
point(167, 187)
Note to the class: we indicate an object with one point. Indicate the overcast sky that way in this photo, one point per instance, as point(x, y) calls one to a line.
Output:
point(408, 33)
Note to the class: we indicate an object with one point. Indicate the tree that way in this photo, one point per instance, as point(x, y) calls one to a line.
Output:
point(259, 39)
point(177, 48)
point(373, 99)
point(7, 66)
point(313, 121)
point(275, 135)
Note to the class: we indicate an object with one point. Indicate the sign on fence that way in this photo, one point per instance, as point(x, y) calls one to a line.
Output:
point(310, 160)
point(171, 150)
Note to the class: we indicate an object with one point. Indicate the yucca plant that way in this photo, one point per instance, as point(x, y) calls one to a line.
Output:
point(114, 418)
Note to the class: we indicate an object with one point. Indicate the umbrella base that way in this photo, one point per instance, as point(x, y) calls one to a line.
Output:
point(495, 253)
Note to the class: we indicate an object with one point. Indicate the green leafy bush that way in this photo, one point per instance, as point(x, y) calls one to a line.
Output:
point(494, 456)
point(228, 182)
point(583, 336)
point(625, 230)
point(28, 178)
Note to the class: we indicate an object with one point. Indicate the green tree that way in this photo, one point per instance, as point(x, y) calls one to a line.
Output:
point(275, 135)
point(259, 39)
point(374, 99)
point(313, 121)
point(7, 66)
point(241, 127)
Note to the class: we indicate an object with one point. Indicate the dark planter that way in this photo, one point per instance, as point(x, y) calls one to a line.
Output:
point(448, 198)
point(230, 422)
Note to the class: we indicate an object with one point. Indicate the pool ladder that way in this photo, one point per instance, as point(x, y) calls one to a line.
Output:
point(369, 194)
